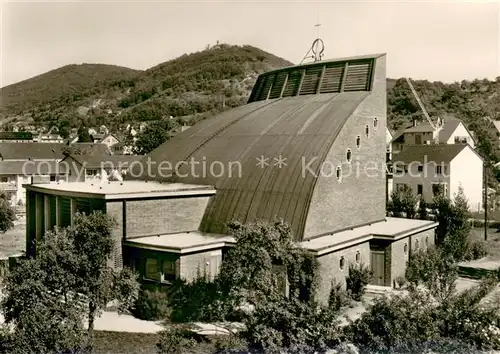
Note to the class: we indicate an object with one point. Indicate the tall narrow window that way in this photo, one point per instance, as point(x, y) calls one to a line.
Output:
point(348, 155)
point(358, 257)
point(375, 122)
point(405, 248)
point(367, 130)
point(416, 245)
point(358, 141)
point(342, 263)
point(339, 173)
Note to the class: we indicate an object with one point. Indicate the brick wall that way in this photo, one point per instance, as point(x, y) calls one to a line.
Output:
point(162, 216)
point(329, 267)
point(360, 196)
point(398, 258)
point(115, 210)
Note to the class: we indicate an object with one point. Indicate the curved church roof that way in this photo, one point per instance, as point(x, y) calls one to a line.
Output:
point(294, 113)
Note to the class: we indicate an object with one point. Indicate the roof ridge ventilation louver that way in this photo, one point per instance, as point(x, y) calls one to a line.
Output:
point(311, 80)
point(293, 83)
point(332, 78)
point(358, 76)
point(266, 86)
point(279, 82)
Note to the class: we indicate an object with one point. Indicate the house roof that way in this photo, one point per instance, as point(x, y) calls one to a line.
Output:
point(297, 128)
point(16, 136)
point(438, 153)
point(34, 151)
point(451, 123)
point(92, 149)
point(29, 168)
point(105, 161)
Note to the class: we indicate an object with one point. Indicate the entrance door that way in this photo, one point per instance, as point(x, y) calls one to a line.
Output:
point(378, 267)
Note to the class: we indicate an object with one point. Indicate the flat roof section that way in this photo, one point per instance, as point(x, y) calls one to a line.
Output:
point(184, 242)
point(121, 189)
point(390, 229)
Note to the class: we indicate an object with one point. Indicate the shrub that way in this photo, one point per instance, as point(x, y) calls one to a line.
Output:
point(359, 276)
point(338, 297)
point(230, 344)
point(175, 340)
point(152, 304)
point(401, 320)
point(199, 300)
point(476, 250)
point(400, 281)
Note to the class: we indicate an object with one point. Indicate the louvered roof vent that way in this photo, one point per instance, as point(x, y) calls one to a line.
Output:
point(341, 75)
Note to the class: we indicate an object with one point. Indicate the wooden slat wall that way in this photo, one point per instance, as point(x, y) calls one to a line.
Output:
point(311, 80)
point(279, 81)
point(268, 81)
point(358, 76)
point(292, 85)
point(332, 80)
point(53, 211)
point(84, 205)
point(65, 205)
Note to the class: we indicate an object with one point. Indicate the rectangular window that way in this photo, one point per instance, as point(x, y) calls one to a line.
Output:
point(152, 271)
point(4, 179)
point(52, 178)
point(420, 189)
point(439, 189)
point(439, 170)
point(420, 168)
point(168, 270)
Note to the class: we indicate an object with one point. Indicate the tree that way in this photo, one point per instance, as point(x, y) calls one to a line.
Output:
point(83, 135)
point(38, 302)
point(93, 246)
point(422, 209)
point(67, 282)
point(402, 203)
point(153, 136)
point(7, 214)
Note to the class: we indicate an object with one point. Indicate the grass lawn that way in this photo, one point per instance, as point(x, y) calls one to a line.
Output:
point(14, 240)
point(493, 242)
point(138, 343)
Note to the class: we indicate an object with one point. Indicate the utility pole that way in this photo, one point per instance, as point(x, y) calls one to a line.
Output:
point(485, 201)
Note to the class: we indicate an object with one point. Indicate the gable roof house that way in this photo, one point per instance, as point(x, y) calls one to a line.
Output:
point(453, 131)
point(309, 147)
point(432, 169)
point(28, 163)
point(16, 137)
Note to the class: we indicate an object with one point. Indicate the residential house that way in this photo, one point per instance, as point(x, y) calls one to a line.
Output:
point(27, 163)
point(84, 168)
point(452, 131)
point(16, 137)
point(389, 183)
point(427, 169)
point(49, 138)
point(308, 125)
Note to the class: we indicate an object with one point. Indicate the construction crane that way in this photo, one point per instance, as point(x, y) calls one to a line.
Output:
point(436, 126)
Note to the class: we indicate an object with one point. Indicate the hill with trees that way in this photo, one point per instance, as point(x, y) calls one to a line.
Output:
point(189, 88)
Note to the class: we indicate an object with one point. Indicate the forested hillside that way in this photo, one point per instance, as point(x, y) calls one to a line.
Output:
point(189, 88)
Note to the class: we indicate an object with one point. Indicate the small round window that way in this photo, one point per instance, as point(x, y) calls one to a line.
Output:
point(406, 248)
point(342, 263)
point(358, 141)
point(358, 257)
point(416, 245)
point(375, 122)
point(367, 130)
point(339, 173)
point(349, 155)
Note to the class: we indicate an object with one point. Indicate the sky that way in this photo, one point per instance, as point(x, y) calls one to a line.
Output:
point(438, 41)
